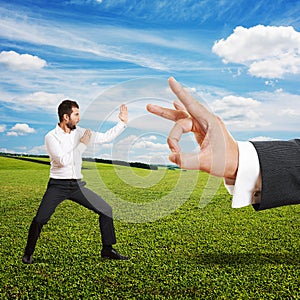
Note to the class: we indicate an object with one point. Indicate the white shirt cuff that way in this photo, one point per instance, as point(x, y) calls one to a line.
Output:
point(123, 123)
point(81, 147)
point(247, 176)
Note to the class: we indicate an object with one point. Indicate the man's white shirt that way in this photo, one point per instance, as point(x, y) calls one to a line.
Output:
point(248, 180)
point(65, 149)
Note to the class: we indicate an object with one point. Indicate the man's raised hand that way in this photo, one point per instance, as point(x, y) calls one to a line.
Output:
point(123, 115)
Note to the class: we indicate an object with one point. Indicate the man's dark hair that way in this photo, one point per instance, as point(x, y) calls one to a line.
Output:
point(66, 108)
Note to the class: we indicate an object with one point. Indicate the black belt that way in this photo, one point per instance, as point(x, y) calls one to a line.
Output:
point(63, 179)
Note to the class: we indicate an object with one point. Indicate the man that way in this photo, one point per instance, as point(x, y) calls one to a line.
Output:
point(65, 145)
point(264, 174)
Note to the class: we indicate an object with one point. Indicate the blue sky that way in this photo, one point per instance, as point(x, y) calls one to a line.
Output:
point(240, 58)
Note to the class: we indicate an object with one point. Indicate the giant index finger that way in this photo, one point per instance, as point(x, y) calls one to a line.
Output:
point(194, 108)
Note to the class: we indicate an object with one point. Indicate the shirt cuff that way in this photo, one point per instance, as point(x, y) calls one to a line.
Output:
point(81, 147)
point(122, 124)
point(248, 175)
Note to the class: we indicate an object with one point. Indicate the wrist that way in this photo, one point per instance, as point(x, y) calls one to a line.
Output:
point(233, 163)
point(229, 181)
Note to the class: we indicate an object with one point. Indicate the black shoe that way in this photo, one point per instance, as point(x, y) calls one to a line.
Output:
point(112, 254)
point(27, 259)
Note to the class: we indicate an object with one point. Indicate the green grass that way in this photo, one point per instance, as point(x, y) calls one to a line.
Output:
point(214, 252)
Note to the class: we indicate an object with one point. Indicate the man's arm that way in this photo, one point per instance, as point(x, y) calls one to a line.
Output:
point(111, 134)
point(280, 173)
point(60, 155)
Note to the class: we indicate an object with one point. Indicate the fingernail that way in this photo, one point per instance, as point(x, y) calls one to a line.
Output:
point(172, 79)
point(175, 83)
point(150, 107)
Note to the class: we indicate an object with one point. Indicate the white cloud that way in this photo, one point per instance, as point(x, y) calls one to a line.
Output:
point(133, 143)
point(239, 111)
point(152, 138)
point(34, 101)
point(12, 133)
point(44, 100)
point(289, 112)
point(279, 109)
point(5, 150)
point(271, 111)
point(23, 62)
point(153, 158)
point(262, 138)
point(148, 145)
point(271, 82)
point(2, 127)
point(20, 129)
point(268, 51)
point(38, 150)
point(23, 128)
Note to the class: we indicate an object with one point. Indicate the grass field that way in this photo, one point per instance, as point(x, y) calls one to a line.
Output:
point(214, 252)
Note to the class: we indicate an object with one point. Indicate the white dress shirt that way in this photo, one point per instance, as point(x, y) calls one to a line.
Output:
point(247, 185)
point(65, 149)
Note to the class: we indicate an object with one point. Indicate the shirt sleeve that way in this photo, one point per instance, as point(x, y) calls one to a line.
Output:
point(246, 188)
point(60, 155)
point(109, 135)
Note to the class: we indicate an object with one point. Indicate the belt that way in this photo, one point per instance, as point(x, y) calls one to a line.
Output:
point(63, 179)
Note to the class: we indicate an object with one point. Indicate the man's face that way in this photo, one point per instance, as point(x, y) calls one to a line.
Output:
point(73, 119)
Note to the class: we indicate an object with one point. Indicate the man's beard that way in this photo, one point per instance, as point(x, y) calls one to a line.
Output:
point(71, 126)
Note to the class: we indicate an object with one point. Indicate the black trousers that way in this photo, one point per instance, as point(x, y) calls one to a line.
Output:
point(59, 190)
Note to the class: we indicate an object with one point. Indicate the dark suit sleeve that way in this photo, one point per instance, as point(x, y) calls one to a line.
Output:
point(280, 171)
